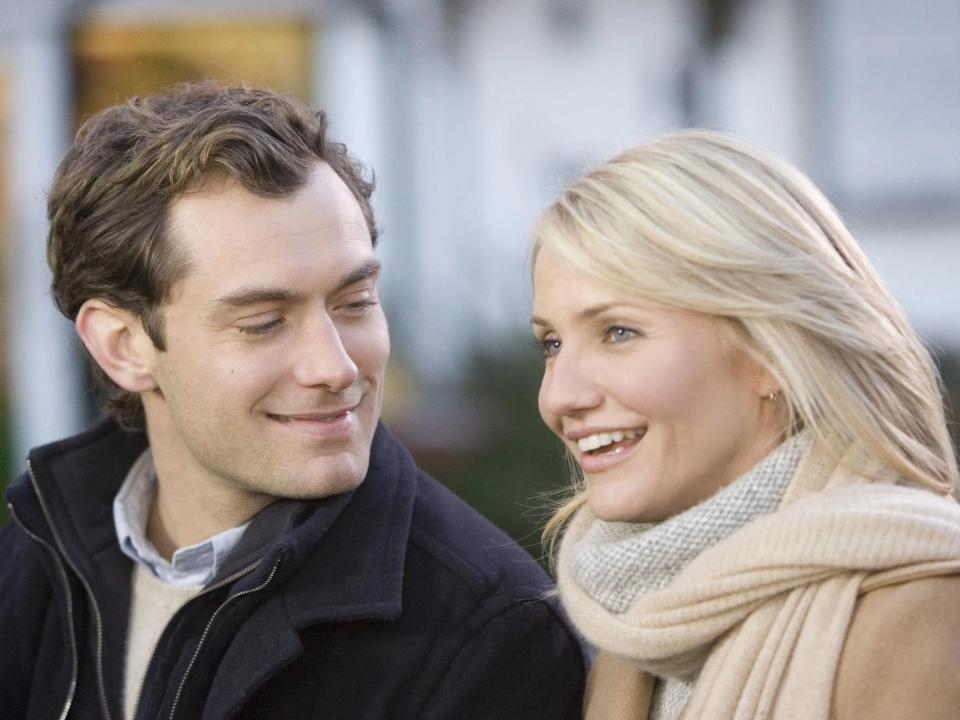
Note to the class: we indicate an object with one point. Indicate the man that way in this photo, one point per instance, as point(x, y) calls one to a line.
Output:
point(243, 539)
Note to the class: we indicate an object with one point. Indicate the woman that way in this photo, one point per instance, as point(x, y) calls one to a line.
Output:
point(765, 525)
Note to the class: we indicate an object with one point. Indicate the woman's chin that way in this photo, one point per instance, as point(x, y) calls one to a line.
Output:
point(612, 507)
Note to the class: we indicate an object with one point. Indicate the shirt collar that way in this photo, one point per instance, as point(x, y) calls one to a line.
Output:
point(193, 565)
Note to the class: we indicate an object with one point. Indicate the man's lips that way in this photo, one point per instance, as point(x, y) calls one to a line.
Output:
point(314, 416)
point(334, 425)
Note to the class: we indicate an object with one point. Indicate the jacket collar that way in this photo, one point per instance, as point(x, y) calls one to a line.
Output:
point(340, 558)
point(354, 573)
point(71, 484)
point(357, 569)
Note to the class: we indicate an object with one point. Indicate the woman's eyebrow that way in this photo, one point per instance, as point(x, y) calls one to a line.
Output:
point(586, 313)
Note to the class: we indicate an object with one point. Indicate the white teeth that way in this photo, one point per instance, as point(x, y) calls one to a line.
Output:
point(598, 440)
point(591, 442)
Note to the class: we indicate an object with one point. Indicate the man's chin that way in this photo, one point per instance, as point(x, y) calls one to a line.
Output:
point(314, 487)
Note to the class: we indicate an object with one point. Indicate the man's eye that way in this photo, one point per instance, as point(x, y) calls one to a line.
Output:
point(260, 329)
point(618, 333)
point(361, 306)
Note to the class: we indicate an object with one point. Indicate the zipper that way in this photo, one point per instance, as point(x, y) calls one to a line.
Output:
point(206, 630)
point(225, 581)
point(93, 600)
point(98, 617)
point(71, 689)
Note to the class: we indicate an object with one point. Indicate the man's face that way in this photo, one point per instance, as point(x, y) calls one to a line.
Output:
point(271, 381)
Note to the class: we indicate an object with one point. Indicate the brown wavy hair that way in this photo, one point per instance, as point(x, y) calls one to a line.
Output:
point(108, 205)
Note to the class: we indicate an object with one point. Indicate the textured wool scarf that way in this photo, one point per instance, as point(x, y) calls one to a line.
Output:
point(617, 562)
point(758, 616)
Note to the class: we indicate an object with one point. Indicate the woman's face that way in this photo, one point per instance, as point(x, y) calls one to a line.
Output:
point(657, 412)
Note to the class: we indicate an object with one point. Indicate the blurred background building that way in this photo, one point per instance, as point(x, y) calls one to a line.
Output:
point(473, 113)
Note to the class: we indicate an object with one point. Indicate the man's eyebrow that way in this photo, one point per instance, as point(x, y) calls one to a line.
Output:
point(254, 296)
point(370, 269)
point(247, 296)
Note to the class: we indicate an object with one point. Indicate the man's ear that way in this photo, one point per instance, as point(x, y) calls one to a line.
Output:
point(117, 341)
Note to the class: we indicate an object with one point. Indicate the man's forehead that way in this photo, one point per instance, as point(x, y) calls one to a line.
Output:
point(223, 229)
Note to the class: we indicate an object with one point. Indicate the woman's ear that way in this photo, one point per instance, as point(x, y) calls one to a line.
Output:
point(762, 382)
point(117, 342)
point(766, 384)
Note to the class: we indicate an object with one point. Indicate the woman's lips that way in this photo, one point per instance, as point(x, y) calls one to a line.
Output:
point(611, 454)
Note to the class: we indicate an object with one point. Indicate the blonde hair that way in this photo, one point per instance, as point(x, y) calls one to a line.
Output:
point(705, 222)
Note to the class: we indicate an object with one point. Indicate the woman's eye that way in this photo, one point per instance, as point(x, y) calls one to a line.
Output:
point(262, 328)
point(549, 346)
point(618, 333)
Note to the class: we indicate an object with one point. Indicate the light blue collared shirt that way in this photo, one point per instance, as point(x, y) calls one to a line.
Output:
point(193, 565)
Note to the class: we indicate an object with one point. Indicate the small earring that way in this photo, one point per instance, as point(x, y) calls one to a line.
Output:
point(772, 396)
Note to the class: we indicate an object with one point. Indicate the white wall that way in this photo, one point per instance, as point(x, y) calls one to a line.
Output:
point(508, 103)
point(890, 99)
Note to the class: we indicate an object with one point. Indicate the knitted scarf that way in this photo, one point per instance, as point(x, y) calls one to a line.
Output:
point(617, 562)
point(759, 612)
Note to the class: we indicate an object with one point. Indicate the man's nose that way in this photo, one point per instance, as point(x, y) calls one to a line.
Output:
point(570, 385)
point(322, 359)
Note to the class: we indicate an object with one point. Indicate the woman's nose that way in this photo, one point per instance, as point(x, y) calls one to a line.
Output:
point(569, 385)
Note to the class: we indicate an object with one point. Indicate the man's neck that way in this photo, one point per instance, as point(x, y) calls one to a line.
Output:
point(156, 532)
point(191, 503)
point(180, 516)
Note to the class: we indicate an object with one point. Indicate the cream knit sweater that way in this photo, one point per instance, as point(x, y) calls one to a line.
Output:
point(761, 615)
point(153, 603)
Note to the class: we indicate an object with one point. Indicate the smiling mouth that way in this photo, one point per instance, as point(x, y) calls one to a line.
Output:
point(327, 417)
point(608, 442)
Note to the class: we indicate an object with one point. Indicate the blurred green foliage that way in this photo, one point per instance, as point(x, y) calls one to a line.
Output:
point(516, 476)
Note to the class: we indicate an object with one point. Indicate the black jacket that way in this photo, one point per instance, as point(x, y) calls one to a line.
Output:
point(394, 601)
